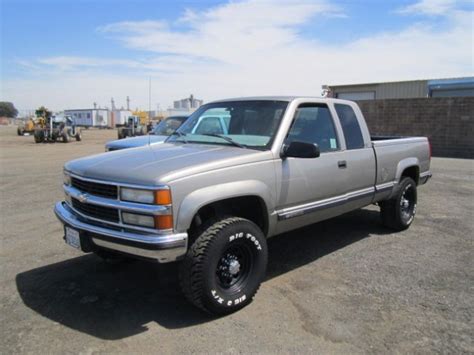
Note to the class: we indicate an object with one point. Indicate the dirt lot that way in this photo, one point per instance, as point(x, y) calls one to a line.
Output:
point(345, 285)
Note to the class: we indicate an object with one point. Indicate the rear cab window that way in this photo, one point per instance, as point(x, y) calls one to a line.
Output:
point(350, 126)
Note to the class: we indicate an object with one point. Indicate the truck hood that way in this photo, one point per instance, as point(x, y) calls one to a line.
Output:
point(162, 163)
point(133, 142)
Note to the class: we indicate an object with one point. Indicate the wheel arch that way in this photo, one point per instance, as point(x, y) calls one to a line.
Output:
point(223, 198)
point(409, 167)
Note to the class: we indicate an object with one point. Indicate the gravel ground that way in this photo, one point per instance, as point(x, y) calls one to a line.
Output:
point(344, 285)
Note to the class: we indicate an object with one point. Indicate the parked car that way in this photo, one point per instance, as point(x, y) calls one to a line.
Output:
point(211, 124)
point(211, 199)
point(157, 135)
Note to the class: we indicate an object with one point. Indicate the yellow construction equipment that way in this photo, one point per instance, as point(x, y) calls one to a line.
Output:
point(26, 128)
point(49, 129)
point(143, 117)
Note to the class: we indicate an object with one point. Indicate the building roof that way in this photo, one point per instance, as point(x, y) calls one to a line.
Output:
point(438, 81)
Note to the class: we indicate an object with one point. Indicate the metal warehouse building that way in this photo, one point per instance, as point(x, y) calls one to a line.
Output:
point(455, 87)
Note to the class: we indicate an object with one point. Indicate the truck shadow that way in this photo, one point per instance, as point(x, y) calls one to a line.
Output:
point(118, 301)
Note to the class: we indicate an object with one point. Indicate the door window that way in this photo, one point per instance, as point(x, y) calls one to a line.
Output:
point(313, 124)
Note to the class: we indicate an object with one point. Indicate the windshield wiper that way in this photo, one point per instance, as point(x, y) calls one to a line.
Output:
point(228, 139)
point(179, 134)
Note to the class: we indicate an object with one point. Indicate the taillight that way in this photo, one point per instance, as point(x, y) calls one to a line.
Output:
point(430, 148)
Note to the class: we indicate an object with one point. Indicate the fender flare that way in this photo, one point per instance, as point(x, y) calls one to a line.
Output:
point(197, 199)
point(403, 165)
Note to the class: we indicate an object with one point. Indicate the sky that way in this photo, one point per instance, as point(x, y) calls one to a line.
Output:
point(68, 54)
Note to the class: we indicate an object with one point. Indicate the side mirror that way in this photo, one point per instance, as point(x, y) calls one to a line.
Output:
point(300, 150)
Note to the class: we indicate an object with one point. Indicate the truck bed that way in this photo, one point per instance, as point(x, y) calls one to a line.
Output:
point(394, 154)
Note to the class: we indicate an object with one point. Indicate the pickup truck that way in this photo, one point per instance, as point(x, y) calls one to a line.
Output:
point(211, 200)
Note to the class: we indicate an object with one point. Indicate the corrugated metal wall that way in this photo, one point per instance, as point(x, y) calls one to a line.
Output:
point(397, 90)
point(401, 90)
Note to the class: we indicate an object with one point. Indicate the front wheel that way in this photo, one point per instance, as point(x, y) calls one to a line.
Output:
point(39, 136)
point(398, 213)
point(225, 266)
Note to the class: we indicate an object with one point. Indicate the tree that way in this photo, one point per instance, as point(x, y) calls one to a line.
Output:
point(7, 109)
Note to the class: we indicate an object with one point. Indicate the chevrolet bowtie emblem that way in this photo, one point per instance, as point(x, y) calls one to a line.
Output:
point(82, 197)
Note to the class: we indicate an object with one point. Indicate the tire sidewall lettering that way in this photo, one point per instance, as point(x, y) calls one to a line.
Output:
point(223, 301)
point(249, 236)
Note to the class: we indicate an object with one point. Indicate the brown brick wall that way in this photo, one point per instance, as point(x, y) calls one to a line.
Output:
point(448, 122)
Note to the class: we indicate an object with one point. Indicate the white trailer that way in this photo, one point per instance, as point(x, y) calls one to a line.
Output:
point(90, 117)
point(119, 117)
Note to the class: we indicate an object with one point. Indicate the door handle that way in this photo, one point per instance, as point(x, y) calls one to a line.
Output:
point(342, 164)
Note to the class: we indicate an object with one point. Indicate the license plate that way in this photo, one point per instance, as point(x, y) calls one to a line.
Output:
point(73, 238)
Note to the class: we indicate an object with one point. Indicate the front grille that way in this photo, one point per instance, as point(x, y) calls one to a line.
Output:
point(95, 188)
point(99, 212)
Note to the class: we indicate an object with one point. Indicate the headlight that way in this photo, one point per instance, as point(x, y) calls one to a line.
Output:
point(138, 219)
point(159, 197)
point(66, 179)
point(134, 195)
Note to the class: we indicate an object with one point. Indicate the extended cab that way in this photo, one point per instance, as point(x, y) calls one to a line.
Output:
point(210, 198)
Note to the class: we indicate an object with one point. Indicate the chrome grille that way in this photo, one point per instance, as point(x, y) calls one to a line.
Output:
point(99, 212)
point(95, 188)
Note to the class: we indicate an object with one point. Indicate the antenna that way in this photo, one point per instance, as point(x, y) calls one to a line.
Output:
point(149, 99)
point(149, 107)
point(128, 103)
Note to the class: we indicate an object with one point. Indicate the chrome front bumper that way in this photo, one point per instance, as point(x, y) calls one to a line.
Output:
point(163, 248)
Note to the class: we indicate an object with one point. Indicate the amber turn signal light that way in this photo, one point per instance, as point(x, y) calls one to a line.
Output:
point(164, 222)
point(163, 197)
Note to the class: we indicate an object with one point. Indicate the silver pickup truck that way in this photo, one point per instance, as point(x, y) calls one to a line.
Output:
point(210, 199)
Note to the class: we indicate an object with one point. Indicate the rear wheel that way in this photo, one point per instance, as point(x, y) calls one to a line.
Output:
point(225, 266)
point(398, 213)
point(78, 136)
point(65, 137)
point(19, 131)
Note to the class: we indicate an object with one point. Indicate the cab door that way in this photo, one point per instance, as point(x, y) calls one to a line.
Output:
point(310, 188)
point(359, 158)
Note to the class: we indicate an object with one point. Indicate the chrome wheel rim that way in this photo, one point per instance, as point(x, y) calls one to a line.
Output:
point(408, 203)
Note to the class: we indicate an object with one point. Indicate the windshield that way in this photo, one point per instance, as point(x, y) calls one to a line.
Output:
point(249, 124)
point(168, 126)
